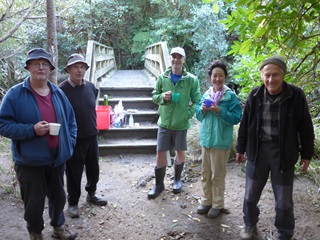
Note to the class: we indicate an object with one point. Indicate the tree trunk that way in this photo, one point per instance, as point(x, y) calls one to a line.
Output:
point(52, 37)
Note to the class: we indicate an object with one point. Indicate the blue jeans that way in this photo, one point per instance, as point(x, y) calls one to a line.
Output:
point(282, 184)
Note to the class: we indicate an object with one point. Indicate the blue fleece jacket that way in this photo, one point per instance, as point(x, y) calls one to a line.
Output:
point(19, 113)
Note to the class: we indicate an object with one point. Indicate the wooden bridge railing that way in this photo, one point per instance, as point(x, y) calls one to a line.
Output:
point(101, 60)
point(157, 58)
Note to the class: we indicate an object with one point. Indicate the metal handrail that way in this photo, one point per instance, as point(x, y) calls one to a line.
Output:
point(157, 58)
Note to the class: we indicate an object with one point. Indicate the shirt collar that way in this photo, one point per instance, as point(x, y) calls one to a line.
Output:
point(73, 84)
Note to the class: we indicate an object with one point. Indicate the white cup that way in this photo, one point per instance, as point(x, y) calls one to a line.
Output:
point(54, 128)
point(136, 125)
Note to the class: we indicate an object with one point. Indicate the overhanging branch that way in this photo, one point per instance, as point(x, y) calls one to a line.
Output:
point(10, 33)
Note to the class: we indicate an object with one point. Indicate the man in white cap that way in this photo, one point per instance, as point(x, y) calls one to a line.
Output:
point(175, 114)
point(39, 158)
point(276, 128)
point(82, 95)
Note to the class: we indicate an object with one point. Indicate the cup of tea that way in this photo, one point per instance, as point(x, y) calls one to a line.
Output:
point(54, 129)
point(175, 96)
point(208, 102)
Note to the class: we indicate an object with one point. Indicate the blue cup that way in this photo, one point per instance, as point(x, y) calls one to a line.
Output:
point(208, 102)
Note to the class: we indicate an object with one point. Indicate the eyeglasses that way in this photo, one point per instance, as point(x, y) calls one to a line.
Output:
point(41, 65)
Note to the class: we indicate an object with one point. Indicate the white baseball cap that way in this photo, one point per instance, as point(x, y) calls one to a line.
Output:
point(178, 50)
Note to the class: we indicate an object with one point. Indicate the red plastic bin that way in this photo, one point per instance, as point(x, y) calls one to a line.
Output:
point(103, 117)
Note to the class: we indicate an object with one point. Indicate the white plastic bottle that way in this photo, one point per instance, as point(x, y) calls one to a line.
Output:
point(131, 121)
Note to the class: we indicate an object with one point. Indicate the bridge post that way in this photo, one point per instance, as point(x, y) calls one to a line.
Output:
point(101, 60)
point(157, 58)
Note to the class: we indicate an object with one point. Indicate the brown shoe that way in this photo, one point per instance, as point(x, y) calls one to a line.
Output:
point(63, 233)
point(35, 236)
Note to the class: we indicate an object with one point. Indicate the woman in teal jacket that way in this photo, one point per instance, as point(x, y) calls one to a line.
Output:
point(218, 111)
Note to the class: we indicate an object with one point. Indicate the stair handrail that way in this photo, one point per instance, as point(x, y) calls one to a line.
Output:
point(157, 58)
point(101, 60)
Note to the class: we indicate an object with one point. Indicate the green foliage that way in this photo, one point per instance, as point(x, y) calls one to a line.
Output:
point(209, 39)
point(286, 28)
point(317, 141)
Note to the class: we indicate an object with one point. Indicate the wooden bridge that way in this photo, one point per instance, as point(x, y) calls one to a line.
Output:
point(133, 88)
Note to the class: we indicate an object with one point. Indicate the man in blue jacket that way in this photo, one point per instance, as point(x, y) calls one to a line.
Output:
point(39, 158)
point(276, 128)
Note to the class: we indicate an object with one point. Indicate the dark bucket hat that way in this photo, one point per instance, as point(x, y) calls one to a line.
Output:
point(39, 53)
point(75, 58)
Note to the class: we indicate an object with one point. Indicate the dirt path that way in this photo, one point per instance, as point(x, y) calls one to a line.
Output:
point(125, 181)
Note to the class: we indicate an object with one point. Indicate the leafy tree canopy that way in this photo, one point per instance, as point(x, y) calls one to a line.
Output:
point(287, 28)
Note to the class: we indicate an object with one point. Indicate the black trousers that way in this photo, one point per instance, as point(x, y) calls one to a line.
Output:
point(282, 185)
point(37, 183)
point(86, 153)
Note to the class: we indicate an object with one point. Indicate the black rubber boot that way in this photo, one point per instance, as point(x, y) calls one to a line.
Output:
point(159, 187)
point(177, 184)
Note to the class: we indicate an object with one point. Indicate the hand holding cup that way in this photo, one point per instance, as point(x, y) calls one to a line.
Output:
point(208, 102)
point(175, 96)
point(54, 129)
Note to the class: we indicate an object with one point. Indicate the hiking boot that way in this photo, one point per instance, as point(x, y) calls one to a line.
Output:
point(96, 199)
point(247, 233)
point(63, 233)
point(35, 236)
point(202, 209)
point(213, 213)
point(73, 211)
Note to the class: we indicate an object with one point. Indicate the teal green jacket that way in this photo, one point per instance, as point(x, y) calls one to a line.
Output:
point(216, 130)
point(176, 116)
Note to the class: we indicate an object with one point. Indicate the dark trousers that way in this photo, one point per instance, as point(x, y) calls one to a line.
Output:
point(282, 184)
point(35, 184)
point(85, 153)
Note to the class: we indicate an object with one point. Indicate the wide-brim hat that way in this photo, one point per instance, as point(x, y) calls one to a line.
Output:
point(178, 50)
point(75, 58)
point(39, 53)
point(276, 60)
